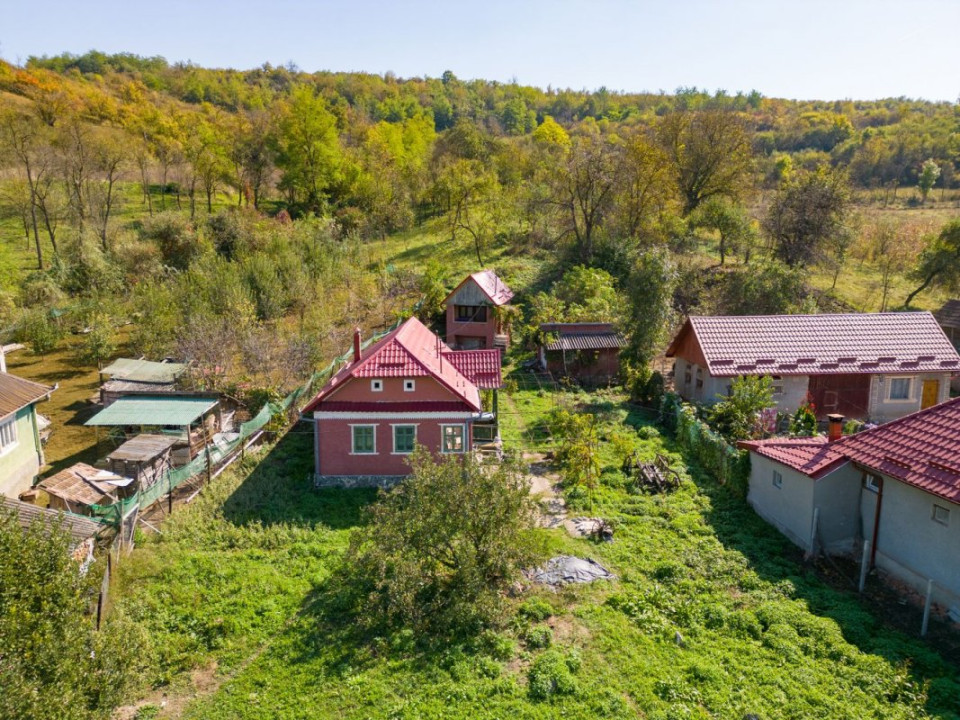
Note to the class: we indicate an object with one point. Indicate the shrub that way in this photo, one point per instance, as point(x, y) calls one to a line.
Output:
point(443, 546)
point(535, 609)
point(39, 332)
point(551, 674)
point(538, 637)
point(175, 237)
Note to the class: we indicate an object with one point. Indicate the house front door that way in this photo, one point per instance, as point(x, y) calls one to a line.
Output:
point(931, 394)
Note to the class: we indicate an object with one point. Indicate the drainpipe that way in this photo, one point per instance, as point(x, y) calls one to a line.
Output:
point(876, 522)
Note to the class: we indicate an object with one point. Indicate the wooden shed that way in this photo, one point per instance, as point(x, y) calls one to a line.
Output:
point(145, 458)
point(84, 532)
point(127, 376)
point(80, 486)
point(587, 352)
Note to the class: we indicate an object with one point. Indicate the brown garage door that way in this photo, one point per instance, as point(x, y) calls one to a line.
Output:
point(848, 395)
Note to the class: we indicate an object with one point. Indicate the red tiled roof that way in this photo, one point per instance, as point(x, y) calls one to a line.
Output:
point(481, 367)
point(491, 285)
point(410, 350)
point(394, 407)
point(821, 344)
point(812, 456)
point(922, 449)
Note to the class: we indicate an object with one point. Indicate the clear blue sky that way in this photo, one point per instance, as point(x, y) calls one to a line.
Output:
point(859, 49)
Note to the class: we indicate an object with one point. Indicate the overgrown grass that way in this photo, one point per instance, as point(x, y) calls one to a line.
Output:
point(713, 614)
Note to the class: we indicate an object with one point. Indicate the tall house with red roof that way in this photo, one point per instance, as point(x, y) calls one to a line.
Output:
point(868, 366)
point(889, 496)
point(474, 316)
point(407, 389)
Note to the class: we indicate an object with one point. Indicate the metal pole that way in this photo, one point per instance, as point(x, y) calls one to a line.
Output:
point(864, 564)
point(926, 609)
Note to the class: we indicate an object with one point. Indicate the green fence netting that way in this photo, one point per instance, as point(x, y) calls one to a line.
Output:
point(710, 449)
point(221, 449)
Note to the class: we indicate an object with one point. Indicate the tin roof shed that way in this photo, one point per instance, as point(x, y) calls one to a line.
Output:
point(153, 411)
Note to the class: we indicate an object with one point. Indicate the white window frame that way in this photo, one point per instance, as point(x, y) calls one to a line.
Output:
point(376, 385)
point(777, 479)
point(393, 433)
point(909, 398)
point(8, 435)
point(870, 483)
point(463, 439)
point(941, 518)
point(353, 439)
point(409, 385)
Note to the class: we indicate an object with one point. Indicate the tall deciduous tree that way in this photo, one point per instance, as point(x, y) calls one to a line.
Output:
point(940, 262)
point(806, 211)
point(729, 220)
point(308, 149)
point(709, 151)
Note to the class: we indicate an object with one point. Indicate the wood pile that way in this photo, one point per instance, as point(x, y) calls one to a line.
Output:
point(657, 476)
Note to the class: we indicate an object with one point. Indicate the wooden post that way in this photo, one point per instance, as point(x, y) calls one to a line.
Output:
point(864, 564)
point(206, 448)
point(926, 609)
point(169, 494)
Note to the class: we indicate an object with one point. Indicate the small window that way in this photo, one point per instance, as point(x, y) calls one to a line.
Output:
point(871, 483)
point(777, 479)
point(941, 515)
point(699, 378)
point(687, 377)
point(409, 385)
point(404, 439)
point(471, 313)
point(778, 390)
point(8, 435)
point(376, 385)
point(453, 438)
point(900, 388)
point(364, 439)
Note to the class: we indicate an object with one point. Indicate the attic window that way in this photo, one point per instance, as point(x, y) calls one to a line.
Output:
point(777, 479)
point(376, 385)
point(409, 385)
point(871, 483)
point(941, 514)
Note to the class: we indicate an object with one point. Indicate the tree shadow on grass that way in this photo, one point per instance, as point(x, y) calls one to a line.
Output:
point(279, 490)
point(862, 622)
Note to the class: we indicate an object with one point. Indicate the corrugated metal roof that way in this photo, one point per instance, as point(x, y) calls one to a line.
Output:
point(583, 336)
point(143, 447)
point(153, 411)
point(82, 484)
point(143, 370)
point(79, 527)
point(821, 344)
point(949, 314)
point(16, 393)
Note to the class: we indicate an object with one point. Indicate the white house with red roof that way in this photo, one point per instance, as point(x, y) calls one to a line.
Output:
point(877, 366)
point(896, 486)
point(407, 389)
point(474, 318)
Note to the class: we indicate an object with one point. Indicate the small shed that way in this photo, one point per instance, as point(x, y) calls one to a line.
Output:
point(128, 376)
point(145, 458)
point(83, 531)
point(196, 420)
point(587, 352)
point(80, 486)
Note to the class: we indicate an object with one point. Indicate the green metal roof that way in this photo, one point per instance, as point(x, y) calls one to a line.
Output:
point(147, 410)
point(143, 370)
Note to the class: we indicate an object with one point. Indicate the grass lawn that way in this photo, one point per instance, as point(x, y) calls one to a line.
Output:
point(713, 614)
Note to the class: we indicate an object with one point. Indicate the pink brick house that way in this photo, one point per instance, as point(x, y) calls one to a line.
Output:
point(407, 389)
point(473, 317)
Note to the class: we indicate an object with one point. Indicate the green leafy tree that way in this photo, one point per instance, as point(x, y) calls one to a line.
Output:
point(53, 663)
point(308, 149)
point(578, 438)
point(808, 209)
point(929, 174)
point(939, 262)
point(650, 289)
point(736, 416)
point(443, 545)
point(551, 133)
point(98, 344)
point(730, 221)
point(40, 332)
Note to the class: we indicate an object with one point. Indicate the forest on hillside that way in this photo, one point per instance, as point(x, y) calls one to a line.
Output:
point(237, 217)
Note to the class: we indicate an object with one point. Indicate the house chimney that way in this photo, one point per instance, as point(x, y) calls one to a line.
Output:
point(356, 345)
point(834, 427)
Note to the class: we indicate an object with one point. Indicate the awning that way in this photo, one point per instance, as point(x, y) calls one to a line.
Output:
point(143, 370)
point(153, 411)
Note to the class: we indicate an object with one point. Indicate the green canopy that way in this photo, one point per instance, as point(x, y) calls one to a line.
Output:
point(143, 370)
point(148, 410)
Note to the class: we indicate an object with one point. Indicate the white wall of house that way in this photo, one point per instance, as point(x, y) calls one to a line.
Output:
point(20, 462)
point(911, 544)
point(789, 507)
point(790, 390)
point(883, 409)
point(837, 494)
